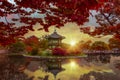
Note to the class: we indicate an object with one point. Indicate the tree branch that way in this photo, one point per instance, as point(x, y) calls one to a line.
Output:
point(107, 18)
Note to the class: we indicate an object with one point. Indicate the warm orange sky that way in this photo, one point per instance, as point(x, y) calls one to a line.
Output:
point(71, 31)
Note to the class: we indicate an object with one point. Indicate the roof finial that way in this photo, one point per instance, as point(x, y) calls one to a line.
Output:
point(54, 29)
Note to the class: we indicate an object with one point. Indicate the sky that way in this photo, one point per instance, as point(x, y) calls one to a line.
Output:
point(71, 31)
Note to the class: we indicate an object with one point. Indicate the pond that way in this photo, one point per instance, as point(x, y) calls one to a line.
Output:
point(44, 68)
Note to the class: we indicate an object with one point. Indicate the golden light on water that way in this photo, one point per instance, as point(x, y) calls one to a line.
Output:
point(72, 64)
point(73, 69)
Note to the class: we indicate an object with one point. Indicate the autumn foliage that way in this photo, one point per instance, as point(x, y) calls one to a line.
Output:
point(108, 18)
point(18, 17)
point(31, 43)
point(59, 51)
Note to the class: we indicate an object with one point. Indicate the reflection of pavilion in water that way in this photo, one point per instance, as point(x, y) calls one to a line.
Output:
point(50, 64)
point(54, 66)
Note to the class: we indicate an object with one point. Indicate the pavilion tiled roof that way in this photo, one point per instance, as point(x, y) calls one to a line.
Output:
point(55, 35)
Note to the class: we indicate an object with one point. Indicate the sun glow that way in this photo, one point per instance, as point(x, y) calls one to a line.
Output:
point(72, 43)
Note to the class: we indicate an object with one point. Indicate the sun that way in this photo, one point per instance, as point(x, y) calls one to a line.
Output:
point(72, 43)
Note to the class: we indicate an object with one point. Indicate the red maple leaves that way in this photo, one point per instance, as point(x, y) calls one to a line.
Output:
point(46, 12)
point(109, 20)
point(111, 30)
point(59, 51)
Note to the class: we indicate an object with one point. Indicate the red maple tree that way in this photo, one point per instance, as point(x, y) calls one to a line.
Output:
point(19, 15)
point(31, 43)
point(108, 18)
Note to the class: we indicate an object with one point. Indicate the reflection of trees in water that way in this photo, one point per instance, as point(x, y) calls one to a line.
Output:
point(100, 76)
point(9, 70)
point(99, 58)
point(12, 68)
